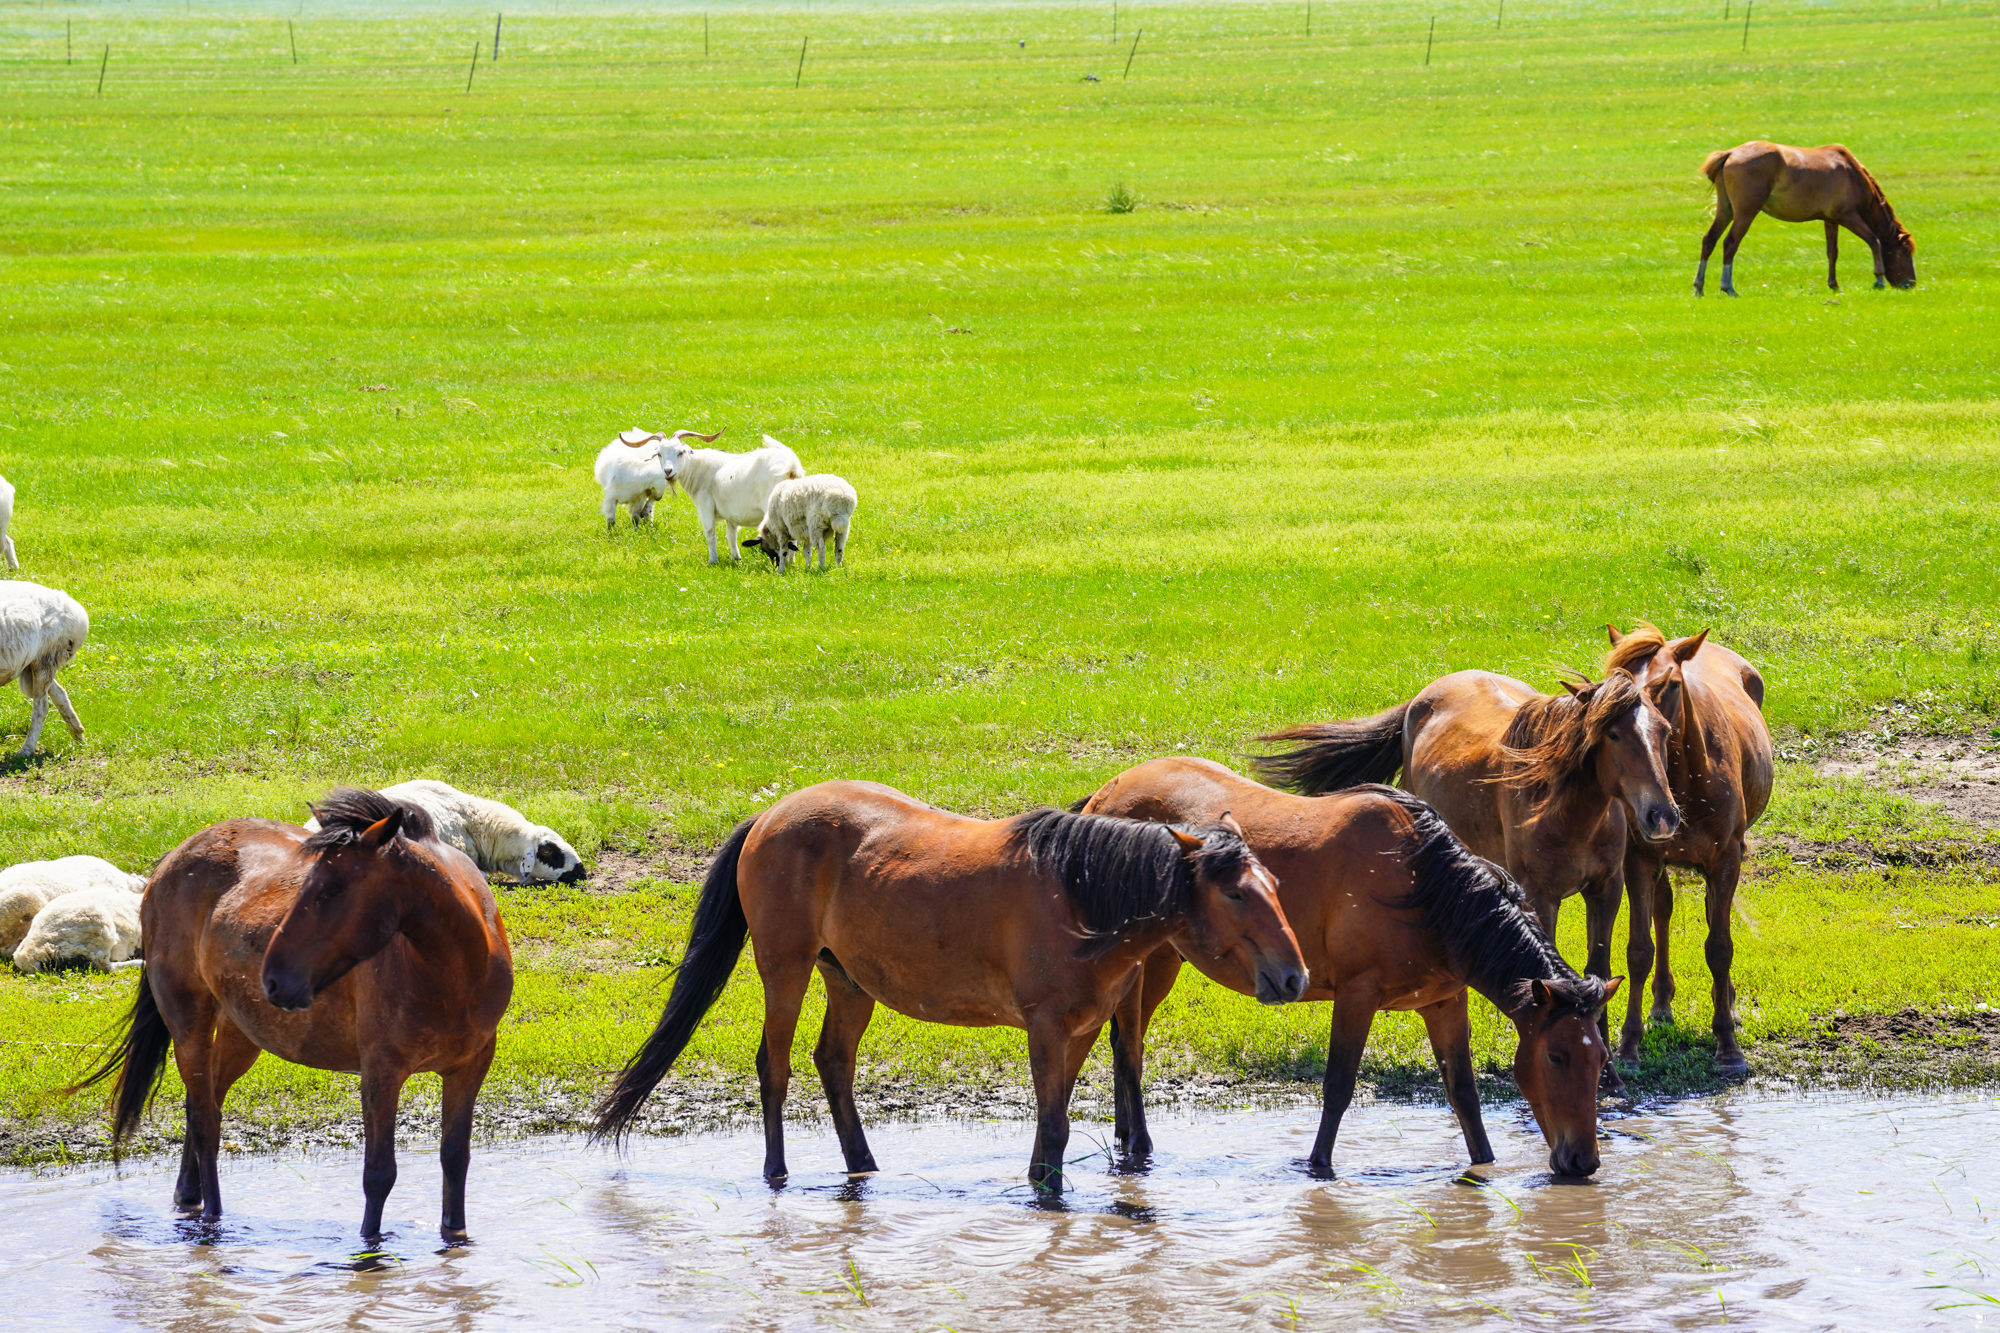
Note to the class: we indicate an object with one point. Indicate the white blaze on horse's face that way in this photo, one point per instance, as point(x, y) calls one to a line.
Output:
point(1657, 817)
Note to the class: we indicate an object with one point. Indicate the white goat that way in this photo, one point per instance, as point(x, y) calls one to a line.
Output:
point(27, 888)
point(730, 488)
point(40, 630)
point(800, 513)
point(495, 836)
point(637, 470)
point(98, 927)
point(6, 517)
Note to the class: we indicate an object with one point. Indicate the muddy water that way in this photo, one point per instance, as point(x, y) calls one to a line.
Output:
point(1873, 1214)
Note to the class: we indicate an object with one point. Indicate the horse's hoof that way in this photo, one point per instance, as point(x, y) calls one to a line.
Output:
point(1729, 291)
point(1731, 1066)
point(1698, 291)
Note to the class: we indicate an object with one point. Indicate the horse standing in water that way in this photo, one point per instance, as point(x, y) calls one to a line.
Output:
point(367, 947)
point(1719, 767)
point(1391, 912)
point(1038, 922)
point(1822, 184)
point(1546, 786)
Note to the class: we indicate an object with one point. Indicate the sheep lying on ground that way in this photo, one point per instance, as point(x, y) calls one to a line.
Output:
point(730, 488)
point(6, 517)
point(27, 888)
point(799, 514)
point(495, 836)
point(40, 630)
point(637, 470)
point(96, 927)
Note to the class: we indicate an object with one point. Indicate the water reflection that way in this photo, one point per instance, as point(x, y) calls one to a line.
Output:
point(1817, 1213)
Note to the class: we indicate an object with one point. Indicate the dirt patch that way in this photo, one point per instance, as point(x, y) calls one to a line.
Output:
point(616, 870)
point(1850, 854)
point(1960, 773)
point(1907, 1050)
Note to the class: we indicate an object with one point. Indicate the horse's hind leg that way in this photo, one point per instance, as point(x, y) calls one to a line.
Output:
point(1451, 1042)
point(1832, 256)
point(461, 1096)
point(1714, 234)
point(784, 991)
point(848, 1011)
point(1746, 210)
point(1663, 932)
point(381, 1093)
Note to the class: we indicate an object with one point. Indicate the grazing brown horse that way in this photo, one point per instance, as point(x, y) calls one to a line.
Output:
point(1547, 786)
point(1719, 766)
point(367, 947)
point(1038, 922)
point(1792, 184)
point(1391, 912)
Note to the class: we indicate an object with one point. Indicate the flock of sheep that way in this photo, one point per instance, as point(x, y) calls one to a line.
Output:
point(84, 910)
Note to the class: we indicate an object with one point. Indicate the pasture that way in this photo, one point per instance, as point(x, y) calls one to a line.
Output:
point(1393, 369)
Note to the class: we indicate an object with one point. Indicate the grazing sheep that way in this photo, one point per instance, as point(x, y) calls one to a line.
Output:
point(637, 470)
point(495, 836)
point(27, 888)
point(799, 514)
point(97, 927)
point(6, 517)
point(40, 630)
point(730, 488)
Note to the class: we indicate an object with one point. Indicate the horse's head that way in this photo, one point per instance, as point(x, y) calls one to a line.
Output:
point(1237, 933)
point(1630, 727)
point(1559, 1062)
point(1899, 259)
point(353, 897)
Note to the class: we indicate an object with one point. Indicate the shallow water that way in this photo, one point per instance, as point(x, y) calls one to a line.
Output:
point(1852, 1213)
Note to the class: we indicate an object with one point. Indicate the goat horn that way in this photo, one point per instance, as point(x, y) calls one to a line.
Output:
point(705, 439)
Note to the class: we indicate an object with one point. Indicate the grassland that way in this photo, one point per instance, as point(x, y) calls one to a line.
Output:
point(1393, 370)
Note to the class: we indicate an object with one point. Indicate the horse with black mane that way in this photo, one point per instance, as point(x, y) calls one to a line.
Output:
point(1825, 184)
point(367, 947)
point(1038, 922)
point(1391, 912)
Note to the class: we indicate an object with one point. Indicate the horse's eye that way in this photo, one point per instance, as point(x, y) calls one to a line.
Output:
point(1613, 735)
point(1559, 1059)
point(1234, 895)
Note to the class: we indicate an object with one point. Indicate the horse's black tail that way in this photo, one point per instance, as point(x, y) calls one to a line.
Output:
point(714, 944)
point(1331, 756)
point(138, 1060)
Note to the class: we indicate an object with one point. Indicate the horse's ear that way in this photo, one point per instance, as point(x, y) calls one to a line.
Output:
point(1189, 843)
point(1228, 821)
point(1611, 988)
point(1541, 993)
point(1685, 650)
point(382, 830)
point(1571, 686)
point(1612, 630)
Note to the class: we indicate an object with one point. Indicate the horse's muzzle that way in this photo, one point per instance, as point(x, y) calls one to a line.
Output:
point(1565, 1160)
point(1659, 823)
point(287, 992)
point(1281, 985)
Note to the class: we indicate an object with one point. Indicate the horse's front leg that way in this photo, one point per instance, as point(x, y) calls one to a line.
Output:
point(1640, 872)
point(1048, 1064)
point(1721, 951)
point(1128, 1051)
point(461, 1095)
point(1450, 1030)
point(1600, 905)
point(1353, 1014)
point(381, 1094)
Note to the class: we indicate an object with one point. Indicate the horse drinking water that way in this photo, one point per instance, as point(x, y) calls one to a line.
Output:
point(1823, 184)
point(1039, 922)
point(367, 947)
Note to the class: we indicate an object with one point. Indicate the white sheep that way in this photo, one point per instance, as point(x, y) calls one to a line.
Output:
point(41, 629)
point(495, 836)
point(6, 517)
point(799, 514)
point(730, 488)
point(27, 888)
point(98, 927)
point(637, 470)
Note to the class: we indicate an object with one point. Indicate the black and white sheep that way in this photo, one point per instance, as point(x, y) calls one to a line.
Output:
point(41, 629)
point(801, 514)
point(497, 837)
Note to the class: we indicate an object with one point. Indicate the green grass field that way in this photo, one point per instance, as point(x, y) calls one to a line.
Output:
point(1393, 370)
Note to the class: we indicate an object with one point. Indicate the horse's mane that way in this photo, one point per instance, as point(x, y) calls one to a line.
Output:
point(1551, 734)
point(1120, 872)
point(1880, 200)
point(1644, 640)
point(345, 811)
point(1479, 915)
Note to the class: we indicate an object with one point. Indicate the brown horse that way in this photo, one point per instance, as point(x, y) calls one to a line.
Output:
point(1719, 766)
point(368, 947)
point(1391, 912)
point(1039, 922)
point(1823, 184)
point(1547, 786)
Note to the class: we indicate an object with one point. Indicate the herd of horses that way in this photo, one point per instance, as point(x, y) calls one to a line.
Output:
point(370, 947)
